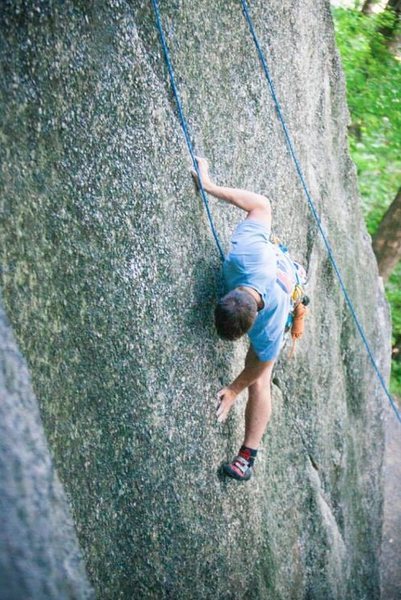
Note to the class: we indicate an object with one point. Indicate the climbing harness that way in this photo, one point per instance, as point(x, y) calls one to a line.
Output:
point(184, 125)
point(291, 275)
point(312, 207)
point(292, 278)
point(298, 169)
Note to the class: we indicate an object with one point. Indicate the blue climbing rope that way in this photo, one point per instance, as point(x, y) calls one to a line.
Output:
point(184, 124)
point(312, 206)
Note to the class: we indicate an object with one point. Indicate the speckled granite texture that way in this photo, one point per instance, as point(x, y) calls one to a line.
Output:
point(110, 274)
point(39, 551)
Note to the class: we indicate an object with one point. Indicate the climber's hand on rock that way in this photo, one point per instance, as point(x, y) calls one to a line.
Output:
point(203, 167)
point(226, 398)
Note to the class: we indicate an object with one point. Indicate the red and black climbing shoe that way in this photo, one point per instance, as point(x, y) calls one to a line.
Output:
point(238, 469)
point(241, 466)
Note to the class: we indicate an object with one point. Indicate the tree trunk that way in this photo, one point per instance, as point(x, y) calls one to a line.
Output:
point(389, 30)
point(387, 241)
point(395, 5)
point(367, 7)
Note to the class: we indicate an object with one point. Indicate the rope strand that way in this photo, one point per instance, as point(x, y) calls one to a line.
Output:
point(312, 207)
point(184, 124)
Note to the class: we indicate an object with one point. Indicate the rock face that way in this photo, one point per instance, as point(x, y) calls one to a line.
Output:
point(391, 544)
point(39, 552)
point(110, 274)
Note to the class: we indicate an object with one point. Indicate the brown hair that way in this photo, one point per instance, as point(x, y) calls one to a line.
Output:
point(234, 314)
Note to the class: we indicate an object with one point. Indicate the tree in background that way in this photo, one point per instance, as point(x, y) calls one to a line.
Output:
point(373, 75)
point(390, 26)
point(369, 6)
point(389, 23)
point(387, 240)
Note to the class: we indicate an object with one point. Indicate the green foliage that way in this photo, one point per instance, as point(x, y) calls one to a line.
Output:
point(394, 296)
point(393, 289)
point(395, 386)
point(373, 76)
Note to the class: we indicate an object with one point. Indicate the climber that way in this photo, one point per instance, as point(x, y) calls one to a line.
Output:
point(255, 303)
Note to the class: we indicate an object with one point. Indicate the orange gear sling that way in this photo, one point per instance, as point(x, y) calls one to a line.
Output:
point(298, 325)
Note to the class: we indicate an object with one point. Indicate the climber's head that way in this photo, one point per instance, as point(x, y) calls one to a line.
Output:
point(234, 314)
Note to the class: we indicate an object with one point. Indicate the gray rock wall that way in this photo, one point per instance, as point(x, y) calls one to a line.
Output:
point(110, 274)
point(39, 551)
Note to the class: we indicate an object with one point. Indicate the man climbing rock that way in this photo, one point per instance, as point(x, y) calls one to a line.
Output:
point(256, 303)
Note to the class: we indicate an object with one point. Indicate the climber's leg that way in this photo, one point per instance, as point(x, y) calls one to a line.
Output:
point(258, 410)
point(257, 416)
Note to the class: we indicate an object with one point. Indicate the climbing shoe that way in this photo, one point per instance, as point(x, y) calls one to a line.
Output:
point(239, 469)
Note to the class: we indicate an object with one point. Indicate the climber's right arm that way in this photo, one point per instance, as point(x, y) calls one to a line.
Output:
point(248, 201)
point(256, 205)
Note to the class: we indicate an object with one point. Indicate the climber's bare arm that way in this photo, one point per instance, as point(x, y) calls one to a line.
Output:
point(256, 205)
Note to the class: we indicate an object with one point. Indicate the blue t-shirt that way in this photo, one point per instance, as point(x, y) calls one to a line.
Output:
point(252, 262)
